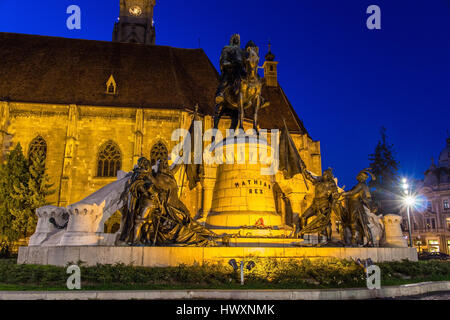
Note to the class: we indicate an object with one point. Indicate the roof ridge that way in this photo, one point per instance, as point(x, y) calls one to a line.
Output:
point(95, 40)
point(292, 111)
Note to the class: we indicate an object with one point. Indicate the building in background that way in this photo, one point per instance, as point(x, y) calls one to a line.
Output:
point(430, 222)
point(95, 107)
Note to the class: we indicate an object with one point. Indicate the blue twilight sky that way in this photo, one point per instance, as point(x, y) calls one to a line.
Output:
point(344, 80)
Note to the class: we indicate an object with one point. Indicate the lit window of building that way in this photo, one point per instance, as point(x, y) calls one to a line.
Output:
point(433, 245)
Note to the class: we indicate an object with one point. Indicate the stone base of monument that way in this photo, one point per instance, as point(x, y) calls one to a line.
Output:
point(313, 239)
point(243, 202)
point(250, 232)
point(263, 242)
point(175, 256)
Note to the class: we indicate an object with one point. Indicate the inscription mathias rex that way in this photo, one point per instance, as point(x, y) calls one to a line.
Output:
point(254, 186)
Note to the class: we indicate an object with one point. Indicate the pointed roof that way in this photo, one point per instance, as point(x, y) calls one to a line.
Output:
point(55, 70)
point(270, 56)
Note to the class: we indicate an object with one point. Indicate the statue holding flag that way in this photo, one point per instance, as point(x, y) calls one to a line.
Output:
point(326, 198)
point(193, 165)
point(154, 213)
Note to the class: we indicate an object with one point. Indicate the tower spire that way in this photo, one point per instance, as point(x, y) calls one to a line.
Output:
point(270, 68)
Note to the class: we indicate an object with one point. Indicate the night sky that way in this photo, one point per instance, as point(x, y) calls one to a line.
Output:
point(344, 80)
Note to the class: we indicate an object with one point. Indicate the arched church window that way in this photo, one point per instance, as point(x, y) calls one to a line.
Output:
point(38, 147)
point(158, 152)
point(109, 160)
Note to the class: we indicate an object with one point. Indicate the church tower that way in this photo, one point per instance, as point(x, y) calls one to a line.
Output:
point(135, 23)
point(270, 69)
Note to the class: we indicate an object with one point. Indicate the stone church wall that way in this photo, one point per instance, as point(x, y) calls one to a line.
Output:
point(75, 134)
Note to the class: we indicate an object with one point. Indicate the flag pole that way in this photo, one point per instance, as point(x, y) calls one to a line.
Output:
point(182, 182)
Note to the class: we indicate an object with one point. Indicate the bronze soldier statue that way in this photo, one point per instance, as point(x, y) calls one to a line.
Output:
point(173, 224)
point(359, 202)
point(153, 213)
point(326, 199)
point(232, 67)
point(137, 200)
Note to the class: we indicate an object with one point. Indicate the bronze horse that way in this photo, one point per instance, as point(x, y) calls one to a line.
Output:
point(248, 95)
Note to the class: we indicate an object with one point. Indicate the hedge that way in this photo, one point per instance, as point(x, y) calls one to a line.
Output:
point(315, 273)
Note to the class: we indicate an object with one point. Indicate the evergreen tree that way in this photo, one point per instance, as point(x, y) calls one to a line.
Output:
point(385, 168)
point(33, 195)
point(13, 173)
point(24, 186)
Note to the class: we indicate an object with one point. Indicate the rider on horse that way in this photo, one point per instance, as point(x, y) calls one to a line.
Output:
point(240, 85)
point(232, 66)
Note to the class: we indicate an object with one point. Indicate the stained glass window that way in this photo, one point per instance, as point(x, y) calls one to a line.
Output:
point(38, 146)
point(158, 152)
point(109, 160)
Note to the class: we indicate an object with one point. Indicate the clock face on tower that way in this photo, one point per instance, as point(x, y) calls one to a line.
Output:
point(135, 11)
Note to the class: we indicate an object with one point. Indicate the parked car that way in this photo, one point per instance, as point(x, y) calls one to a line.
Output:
point(433, 256)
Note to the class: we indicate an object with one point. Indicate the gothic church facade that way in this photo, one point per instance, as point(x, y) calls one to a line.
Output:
point(95, 107)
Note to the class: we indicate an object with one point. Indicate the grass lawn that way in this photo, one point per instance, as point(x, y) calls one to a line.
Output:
point(268, 274)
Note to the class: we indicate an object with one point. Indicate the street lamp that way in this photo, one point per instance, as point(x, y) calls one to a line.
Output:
point(409, 201)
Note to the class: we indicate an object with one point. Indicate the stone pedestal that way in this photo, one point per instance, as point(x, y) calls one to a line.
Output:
point(243, 195)
point(394, 235)
point(83, 224)
point(176, 256)
point(45, 229)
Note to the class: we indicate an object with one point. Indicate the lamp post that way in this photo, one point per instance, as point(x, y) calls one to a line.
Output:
point(409, 201)
point(409, 226)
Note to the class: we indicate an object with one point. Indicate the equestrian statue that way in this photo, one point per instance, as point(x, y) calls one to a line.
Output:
point(240, 85)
